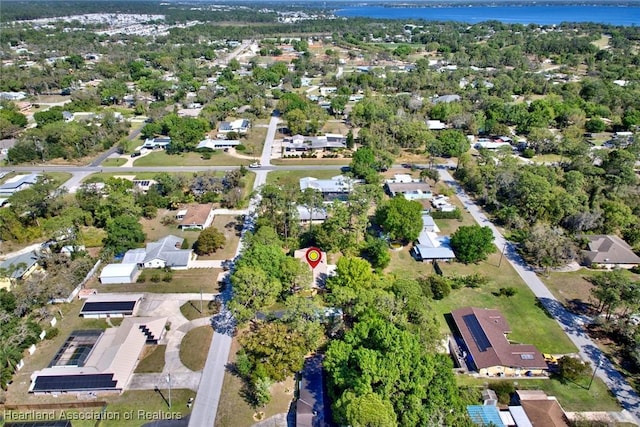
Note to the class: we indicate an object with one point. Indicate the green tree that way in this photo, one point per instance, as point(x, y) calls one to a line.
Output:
point(472, 243)
point(252, 290)
point(368, 410)
point(572, 368)
point(400, 218)
point(124, 232)
point(209, 241)
point(595, 125)
point(376, 251)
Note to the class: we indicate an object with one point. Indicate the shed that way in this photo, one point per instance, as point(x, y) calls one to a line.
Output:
point(119, 273)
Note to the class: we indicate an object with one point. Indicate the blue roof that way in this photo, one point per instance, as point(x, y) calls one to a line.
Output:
point(484, 415)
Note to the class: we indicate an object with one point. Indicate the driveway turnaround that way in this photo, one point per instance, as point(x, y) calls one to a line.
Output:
point(572, 324)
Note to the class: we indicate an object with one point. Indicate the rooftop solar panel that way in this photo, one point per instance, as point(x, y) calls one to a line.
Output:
point(62, 383)
point(108, 307)
point(477, 332)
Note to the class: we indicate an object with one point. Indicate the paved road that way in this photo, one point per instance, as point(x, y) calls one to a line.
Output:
point(205, 406)
point(570, 323)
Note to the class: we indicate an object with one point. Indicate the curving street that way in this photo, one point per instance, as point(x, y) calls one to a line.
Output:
point(572, 324)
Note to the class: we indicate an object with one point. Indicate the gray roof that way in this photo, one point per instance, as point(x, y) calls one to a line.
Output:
point(609, 249)
point(20, 264)
point(14, 185)
point(299, 142)
point(446, 99)
point(337, 184)
point(304, 213)
point(166, 249)
point(216, 144)
point(408, 187)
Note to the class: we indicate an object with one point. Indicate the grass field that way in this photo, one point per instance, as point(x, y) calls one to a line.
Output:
point(234, 411)
point(113, 162)
point(230, 226)
point(572, 397)
point(194, 347)
point(191, 309)
point(183, 281)
point(161, 158)
point(139, 407)
point(152, 359)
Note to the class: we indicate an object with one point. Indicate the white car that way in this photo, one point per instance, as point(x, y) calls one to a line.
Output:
point(254, 165)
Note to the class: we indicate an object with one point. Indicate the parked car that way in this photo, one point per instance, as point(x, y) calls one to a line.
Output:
point(254, 165)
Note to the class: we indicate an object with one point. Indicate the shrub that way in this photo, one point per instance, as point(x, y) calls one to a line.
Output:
point(528, 153)
point(167, 277)
point(440, 287)
point(503, 389)
point(456, 214)
point(155, 277)
point(206, 155)
point(241, 147)
point(507, 292)
point(141, 278)
point(52, 333)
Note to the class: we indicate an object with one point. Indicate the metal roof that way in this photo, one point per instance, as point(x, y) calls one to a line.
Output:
point(485, 415)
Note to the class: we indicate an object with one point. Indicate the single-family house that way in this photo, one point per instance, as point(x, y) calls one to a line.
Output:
point(18, 183)
point(540, 409)
point(446, 99)
point(328, 90)
point(165, 252)
point(338, 187)
point(69, 250)
point(67, 116)
point(217, 144)
point(310, 406)
point(157, 143)
point(328, 141)
point(101, 306)
point(238, 126)
point(18, 267)
point(492, 143)
point(306, 214)
point(197, 216)
point(99, 361)
point(13, 96)
point(483, 334)
point(430, 247)
point(609, 251)
point(411, 189)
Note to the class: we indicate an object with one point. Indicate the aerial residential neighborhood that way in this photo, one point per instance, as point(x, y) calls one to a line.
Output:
point(295, 215)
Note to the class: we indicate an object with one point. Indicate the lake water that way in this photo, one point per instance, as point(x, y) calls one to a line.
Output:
point(542, 14)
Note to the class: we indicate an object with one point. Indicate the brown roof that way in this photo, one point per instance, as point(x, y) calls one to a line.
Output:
point(609, 249)
point(196, 215)
point(483, 331)
point(544, 413)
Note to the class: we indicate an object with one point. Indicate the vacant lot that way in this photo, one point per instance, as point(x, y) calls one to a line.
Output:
point(195, 347)
point(230, 226)
point(234, 411)
point(154, 228)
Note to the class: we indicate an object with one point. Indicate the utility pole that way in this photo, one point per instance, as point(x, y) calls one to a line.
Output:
point(169, 381)
point(200, 298)
point(502, 254)
point(594, 372)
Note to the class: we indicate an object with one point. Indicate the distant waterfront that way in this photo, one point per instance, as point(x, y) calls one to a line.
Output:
point(540, 14)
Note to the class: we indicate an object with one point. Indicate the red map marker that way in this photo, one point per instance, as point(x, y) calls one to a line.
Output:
point(313, 256)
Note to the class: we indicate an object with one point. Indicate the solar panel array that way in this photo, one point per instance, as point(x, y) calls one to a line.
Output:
point(108, 307)
point(66, 383)
point(479, 337)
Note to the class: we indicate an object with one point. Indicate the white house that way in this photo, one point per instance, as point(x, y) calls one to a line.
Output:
point(239, 126)
point(165, 252)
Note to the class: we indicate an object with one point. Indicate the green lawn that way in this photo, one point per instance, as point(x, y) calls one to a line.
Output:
point(572, 397)
point(194, 347)
point(161, 158)
point(182, 281)
point(152, 360)
point(530, 324)
point(113, 162)
point(191, 310)
point(137, 407)
point(59, 177)
point(92, 237)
